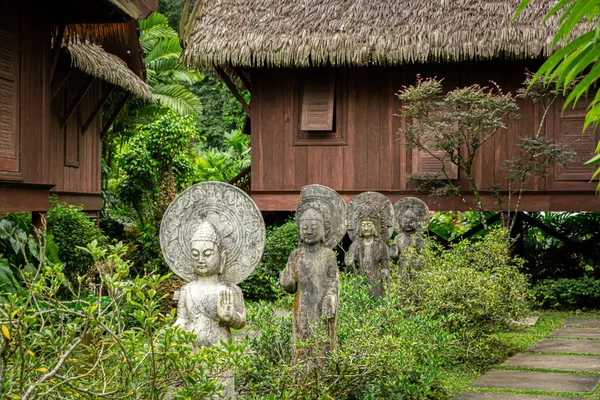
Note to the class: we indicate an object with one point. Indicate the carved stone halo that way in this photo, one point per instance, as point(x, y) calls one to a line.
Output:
point(374, 206)
point(331, 206)
point(417, 206)
point(231, 211)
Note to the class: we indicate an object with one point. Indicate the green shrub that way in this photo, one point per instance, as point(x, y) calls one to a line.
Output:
point(20, 251)
point(85, 347)
point(383, 351)
point(476, 284)
point(263, 283)
point(566, 293)
point(70, 229)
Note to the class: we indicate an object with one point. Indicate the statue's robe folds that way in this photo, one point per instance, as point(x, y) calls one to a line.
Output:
point(403, 241)
point(369, 260)
point(197, 312)
point(313, 276)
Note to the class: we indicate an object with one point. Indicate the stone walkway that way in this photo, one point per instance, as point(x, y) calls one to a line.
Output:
point(568, 352)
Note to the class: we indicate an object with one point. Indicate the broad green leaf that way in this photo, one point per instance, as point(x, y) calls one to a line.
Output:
point(588, 57)
point(575, 12)
point(583, 85)
point(520, 8)
point(594, 160)
point(551, 63)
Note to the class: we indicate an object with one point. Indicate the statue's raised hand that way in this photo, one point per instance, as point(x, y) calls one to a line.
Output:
point(225, 307)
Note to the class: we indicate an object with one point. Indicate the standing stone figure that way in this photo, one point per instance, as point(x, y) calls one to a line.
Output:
point(212, 235)
point(311, 271)
point(370, 226)
point(412, 219)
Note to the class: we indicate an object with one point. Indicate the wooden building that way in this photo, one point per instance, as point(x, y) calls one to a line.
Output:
point(323, 76)
point(60, 61)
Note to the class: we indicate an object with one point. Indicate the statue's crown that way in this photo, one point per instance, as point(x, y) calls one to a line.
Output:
point(206, 231)
point(410, 213)
point(312, 214)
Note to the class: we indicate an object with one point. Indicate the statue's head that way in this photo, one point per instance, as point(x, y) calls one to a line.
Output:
point(367, 228)
point(409, 221)
point(312, 227)
point(208, 254)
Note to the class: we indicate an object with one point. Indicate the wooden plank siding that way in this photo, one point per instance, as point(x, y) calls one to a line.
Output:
point(70, 144)
point(372, 155)
point(41, 169)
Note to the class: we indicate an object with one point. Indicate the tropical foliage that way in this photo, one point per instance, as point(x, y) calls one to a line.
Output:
point(111, 343)
point(168, 78)
point(578, 57)
point(216, 165)
point(452, 127)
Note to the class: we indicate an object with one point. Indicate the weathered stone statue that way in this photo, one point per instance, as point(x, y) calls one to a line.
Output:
point(412, 218)
point(311, 271)
point(212, 235)
point(370, 226)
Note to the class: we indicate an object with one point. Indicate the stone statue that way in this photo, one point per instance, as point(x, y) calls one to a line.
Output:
point(311, 271)
point(370, 226)
point(212, 235)
point(412, 219)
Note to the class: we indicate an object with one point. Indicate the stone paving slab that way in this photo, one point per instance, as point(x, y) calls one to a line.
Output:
point(552, 361)
point(508, 396)
point(528, 380)
point(566, 346)
point(585, 322)
point(529, 321)
point(580, 333)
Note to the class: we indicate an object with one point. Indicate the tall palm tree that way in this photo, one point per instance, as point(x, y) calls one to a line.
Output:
point(166, 76)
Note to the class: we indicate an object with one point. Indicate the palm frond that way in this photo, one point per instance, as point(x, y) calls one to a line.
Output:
point(153, 20)
point(164, 48)
point(151, 36)
point(178, 98)
point(163, 64)
point(188, 76)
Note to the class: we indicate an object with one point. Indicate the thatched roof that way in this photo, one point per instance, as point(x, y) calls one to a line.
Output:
point(93, 60)
point(283, 33)
point(114, 32)
point(137, 9)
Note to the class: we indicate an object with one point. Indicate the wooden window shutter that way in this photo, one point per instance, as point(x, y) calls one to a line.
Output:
point(9, 85)
point(424, 163)
point(318, 101)
point(569, 125)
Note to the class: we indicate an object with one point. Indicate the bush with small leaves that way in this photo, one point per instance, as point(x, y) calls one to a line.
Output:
point(263, 283)
point(82, 348)
point(383, 351)
point(71, 229)
point(476, 284)
point(566, 293)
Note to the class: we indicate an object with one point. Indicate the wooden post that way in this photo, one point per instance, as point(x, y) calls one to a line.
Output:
point(62, 83)
point(97, 109)
point(56, 51)
point(233, 90)
point(77, 101)
point(38, 221)
point(243, 78)
point(114, 115)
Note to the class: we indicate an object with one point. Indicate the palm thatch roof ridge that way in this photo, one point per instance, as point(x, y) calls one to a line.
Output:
point(137, 9)
point(302, 33)
point(94, 60)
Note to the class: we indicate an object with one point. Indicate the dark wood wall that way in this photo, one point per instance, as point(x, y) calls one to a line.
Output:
point(363, 152)
point(76, 154)
point(32, 146)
